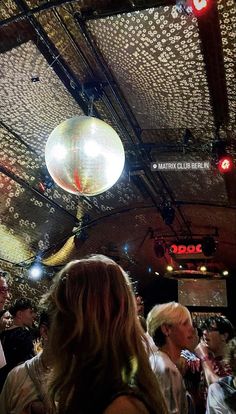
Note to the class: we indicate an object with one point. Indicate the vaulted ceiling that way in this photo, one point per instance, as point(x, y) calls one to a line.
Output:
point(164, 79)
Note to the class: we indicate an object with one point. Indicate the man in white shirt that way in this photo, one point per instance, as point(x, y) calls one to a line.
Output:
point(170, 325)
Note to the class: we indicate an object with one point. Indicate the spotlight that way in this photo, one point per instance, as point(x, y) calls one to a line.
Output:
point(223, 160)
point(35, 271)
point(189, 7)
point(159, 249)
point(199, 5)
point(169, 268)
point(208, 246)
point(167, 213)
point(203, 269)
point(225, 164)
point(126, 248)
point(225, 273)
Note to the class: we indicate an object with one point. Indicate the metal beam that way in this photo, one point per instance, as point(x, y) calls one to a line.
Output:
point(24, 184)
point(30, 12)
point(212, 49)
point(91, 13)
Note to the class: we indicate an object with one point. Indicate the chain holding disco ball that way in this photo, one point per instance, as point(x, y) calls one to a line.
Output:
point(84, 155)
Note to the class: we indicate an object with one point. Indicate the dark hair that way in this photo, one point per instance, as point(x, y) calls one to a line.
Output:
point(21, 304)
point(3, 311)
point(222, 324)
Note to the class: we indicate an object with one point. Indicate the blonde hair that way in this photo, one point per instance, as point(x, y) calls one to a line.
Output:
point(167, 313)
point(96, 339)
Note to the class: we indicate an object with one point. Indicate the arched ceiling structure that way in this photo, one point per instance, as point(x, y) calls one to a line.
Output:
point(164, 79)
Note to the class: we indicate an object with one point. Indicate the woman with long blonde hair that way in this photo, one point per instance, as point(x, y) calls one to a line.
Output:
point(100, 363)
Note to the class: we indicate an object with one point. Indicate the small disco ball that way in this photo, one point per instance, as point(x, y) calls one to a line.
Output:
point(84, 156)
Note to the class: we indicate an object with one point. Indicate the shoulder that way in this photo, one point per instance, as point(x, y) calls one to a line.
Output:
point(17, 374)
point(214, 389)
point(161, 363)
point(126, 405)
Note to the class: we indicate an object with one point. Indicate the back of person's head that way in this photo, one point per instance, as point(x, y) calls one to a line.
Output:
point(20, 305)
point(42, 331)
point(222, 324)
point(170, 313)
point(95, 331)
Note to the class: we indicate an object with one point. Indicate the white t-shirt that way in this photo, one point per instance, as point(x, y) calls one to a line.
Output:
point(171, 382)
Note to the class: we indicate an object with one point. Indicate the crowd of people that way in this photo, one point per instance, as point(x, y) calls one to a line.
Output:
point(91, 353)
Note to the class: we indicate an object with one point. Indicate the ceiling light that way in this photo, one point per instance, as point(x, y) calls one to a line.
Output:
point(199, 5)
point(35, 271)
point(203, 269)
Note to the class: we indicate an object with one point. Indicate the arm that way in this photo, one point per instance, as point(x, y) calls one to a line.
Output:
point(207, 366)
point(210, 376)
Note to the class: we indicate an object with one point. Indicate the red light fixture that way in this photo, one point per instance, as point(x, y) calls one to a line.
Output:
point(200, 5)
point(225, 164)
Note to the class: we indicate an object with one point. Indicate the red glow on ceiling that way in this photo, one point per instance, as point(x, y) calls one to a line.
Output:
point(225, 164)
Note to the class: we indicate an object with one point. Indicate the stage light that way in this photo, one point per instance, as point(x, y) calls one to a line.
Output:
point(225, 164)
point(196, 7)
point(225, 273)
point(169, 268)
point(203, 269)
point(199, 5)
point(208, 246)
point(126, 248)
point(35, 271)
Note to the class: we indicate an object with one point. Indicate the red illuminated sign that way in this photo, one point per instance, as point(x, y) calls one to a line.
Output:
point(186, 249)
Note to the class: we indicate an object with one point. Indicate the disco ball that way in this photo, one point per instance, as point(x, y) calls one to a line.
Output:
point(84, 156)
